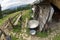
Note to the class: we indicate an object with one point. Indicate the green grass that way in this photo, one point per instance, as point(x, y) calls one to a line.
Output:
point(27, 14)
point(28, 31)
point(14, 38)
point(17, 28)
point(57, 37)
point(41, 34)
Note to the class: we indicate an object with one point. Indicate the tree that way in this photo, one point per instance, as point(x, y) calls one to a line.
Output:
point(0, 12)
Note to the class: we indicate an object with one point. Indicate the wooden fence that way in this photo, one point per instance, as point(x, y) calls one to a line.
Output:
point(9, 23)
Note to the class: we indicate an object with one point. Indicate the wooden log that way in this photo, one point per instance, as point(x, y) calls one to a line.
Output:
point(17, 20)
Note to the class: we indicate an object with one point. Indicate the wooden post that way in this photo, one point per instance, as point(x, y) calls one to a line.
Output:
point(11, 24)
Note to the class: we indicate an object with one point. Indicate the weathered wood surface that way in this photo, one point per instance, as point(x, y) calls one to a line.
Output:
point(56, 3)
point(43, 14)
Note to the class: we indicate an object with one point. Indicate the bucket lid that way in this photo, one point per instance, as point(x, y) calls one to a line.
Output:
point(33, 23)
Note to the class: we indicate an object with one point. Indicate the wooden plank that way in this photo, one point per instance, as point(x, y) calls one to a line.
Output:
point(17, 20)
point(56, 3)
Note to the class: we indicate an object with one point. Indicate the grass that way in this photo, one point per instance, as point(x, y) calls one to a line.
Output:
point(17, 28)
point(41, 34)
point(27, 31)
point(14, 38)
point(8, 16)
point(57, 37)
point(27, 14)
